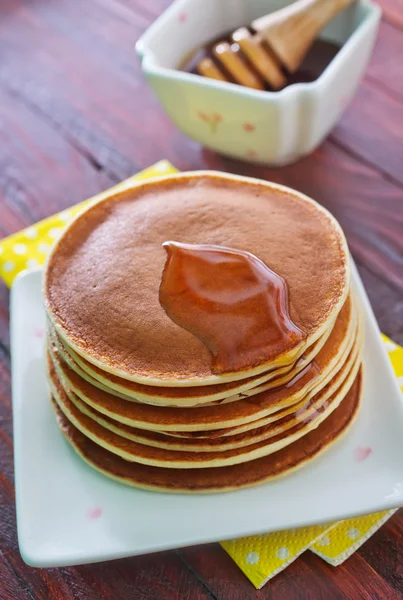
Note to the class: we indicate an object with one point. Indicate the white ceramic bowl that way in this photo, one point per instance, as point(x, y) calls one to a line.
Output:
point(275, 128)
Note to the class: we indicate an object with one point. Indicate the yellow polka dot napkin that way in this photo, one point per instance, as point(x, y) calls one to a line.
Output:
point(27, 249)
point(341, 541)
point(260, 557)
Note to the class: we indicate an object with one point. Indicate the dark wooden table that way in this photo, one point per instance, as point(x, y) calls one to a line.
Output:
point(77, 116)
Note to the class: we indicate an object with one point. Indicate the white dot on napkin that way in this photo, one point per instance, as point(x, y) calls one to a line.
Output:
point(32, 263)
point(19, 249)
point(353, 533)
point(43, 248)
point(252, 558)
point(55, 232)
point(282, 553)
point(161, 166)
point(390, 346)
point(323, 541)
point(31, 233)
point(8, 266)
point(65, 216)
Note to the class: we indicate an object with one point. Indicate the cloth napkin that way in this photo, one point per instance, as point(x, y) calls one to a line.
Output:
point(260, 557)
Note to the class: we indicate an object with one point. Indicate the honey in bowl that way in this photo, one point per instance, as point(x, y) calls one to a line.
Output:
point(320, 55)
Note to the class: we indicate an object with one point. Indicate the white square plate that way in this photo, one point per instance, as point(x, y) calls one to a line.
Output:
point(67, 513)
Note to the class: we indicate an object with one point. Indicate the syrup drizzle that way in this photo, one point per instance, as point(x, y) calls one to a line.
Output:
point(232, 301)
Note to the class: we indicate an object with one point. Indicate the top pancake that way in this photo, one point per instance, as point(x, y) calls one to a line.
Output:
point(103, 276)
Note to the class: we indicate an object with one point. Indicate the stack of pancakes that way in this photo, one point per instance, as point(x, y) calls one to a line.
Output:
point(135, 394)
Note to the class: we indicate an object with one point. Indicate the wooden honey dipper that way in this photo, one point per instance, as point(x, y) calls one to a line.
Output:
point(280, 41)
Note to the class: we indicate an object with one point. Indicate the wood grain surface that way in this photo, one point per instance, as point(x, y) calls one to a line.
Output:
point(76, 116)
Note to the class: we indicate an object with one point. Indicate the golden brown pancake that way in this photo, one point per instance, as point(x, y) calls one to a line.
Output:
point(346, 360)
point(187, 396)
point(103, 275)
point(244, 411)
point(352, 352)
point(223, 478)
point(306, 413)
point(146, 454)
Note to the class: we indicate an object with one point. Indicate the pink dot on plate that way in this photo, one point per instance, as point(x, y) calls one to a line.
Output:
point(249, 127)
point(94, 513)
point(362, 452)
point(38, 332)
point(182, 17)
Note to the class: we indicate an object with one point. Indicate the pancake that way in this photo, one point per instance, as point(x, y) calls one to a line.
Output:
point(187, 396)
point(224, 478)
point(154, 456)
point(306, 412)
point(103, 275)
point(344, 364)
point(242, 412)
